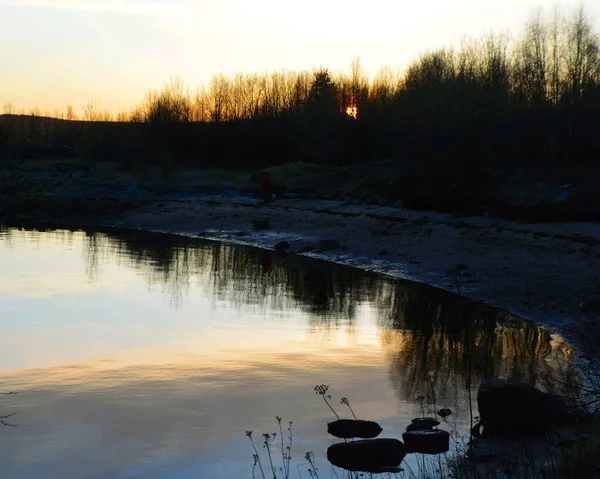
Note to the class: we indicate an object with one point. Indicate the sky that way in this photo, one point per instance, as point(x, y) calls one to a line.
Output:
point(59, 52)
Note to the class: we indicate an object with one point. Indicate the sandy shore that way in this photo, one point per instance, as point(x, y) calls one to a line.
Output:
point(537, 271)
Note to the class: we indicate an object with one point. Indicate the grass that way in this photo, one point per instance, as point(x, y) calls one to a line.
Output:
point(278, 471)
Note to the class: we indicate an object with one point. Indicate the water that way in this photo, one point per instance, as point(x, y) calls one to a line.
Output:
point(138, 355)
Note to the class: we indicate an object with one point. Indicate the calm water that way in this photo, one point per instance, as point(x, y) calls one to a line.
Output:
point(148, 356)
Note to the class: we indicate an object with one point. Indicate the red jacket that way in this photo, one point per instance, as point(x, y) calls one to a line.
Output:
point(266, 182)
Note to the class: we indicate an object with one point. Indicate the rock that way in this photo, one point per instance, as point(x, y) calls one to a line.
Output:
point(444, 412)
point(382, 252)
point(427, 441)
point(351, 428)
point(391, 470)
point(329, 245)
point(240, 233)
point(370, 455)
point(420, 423)
point(430, 421)
point(281, 246)
point(261, 224)
point(517, 409)
point(417, 427)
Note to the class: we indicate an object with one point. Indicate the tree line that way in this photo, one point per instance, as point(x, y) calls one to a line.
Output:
point(495, 100)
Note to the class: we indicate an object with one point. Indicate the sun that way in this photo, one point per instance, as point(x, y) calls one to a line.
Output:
point(352, 111)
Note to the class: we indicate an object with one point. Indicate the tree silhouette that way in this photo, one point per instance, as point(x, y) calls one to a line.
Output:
point(321, 105)
point(3, 140)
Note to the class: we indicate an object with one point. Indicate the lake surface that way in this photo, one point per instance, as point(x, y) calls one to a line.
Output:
point(138, 355)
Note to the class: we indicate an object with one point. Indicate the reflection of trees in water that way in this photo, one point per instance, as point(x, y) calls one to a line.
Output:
point(422, 330)
point(247, 278)
point(7, 236)
point(11, 236)
point(435, 332)
point(91, 257)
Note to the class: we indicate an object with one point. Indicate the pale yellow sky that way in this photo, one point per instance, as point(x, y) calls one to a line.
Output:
point(55, 52)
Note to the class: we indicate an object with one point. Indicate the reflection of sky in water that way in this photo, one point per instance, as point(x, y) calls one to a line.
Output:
point(138, 358)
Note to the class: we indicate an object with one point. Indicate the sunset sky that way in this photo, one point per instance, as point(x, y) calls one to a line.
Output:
point(55, 52)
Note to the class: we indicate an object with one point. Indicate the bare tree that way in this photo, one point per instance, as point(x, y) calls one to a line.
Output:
point(384, 86)
point(359, 86)
point(122, 116)
point(219, 97)
point(9, 109)
point(106, 115)
point(70, 113)
point(200, 106)
point(582, 56)
point(555, 58)
point(91, 111)
point(532, 61)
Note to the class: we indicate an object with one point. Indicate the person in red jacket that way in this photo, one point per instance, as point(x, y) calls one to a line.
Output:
point(267, 188)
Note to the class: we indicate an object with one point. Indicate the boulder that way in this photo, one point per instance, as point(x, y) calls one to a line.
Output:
point(427, 441)
point(351, 428)
point(262, 224)
point(282, 246)
point(329, 245)
point(517, 409)
point(370, 455)
point(445, 412)
point(424, 423)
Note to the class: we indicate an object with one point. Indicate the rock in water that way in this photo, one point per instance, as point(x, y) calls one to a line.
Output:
point(371, 455)
point(517, 409)
point(444, 412)
point(427, 441)
point(351, 428)
point(423, 423)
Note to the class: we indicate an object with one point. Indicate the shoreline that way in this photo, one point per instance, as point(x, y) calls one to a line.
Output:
point(540, 272)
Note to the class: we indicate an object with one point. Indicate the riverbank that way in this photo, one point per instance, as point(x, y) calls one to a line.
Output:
point(544, 272)
point(541, 271)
